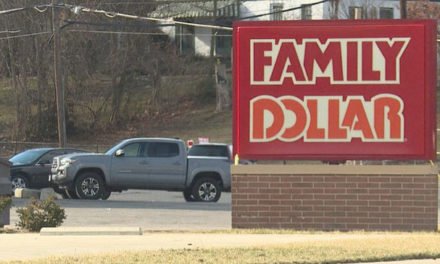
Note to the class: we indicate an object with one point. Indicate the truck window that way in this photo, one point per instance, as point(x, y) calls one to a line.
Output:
point(132, 150)
point(162, 150)
point(210, 151)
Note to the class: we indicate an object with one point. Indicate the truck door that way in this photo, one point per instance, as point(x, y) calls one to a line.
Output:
point(129, 167)
point(167, 164)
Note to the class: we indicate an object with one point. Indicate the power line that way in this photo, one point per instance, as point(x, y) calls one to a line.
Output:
point(98, 24)
point(157, 2)
point(118, 32)
point(39, 8)
point(5, 12)
point(110, 14)
point(10, 31)
point(138, 33)
point(78, 9)
point(26, 35)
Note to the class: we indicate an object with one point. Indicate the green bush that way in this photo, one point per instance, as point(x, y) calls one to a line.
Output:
point(38, 214)
point(5, 201)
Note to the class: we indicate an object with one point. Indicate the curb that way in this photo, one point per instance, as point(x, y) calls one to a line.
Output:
point(91, 231)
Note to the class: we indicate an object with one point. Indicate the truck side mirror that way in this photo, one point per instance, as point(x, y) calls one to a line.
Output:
point(120, 153)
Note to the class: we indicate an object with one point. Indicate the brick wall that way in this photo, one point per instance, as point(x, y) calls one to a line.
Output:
point(333, 197)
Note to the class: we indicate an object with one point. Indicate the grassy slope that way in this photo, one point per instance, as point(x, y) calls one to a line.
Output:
point(190, 122)
point(199, 122)
point(365, 248)
point(184, 119)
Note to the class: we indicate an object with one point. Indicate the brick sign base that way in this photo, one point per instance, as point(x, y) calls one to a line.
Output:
point(335, 197)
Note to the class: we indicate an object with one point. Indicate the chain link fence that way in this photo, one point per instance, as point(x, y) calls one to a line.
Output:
point(10, 148)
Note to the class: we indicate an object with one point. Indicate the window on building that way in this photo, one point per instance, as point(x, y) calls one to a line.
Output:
point(276, 9)
point(386, 13)
point(356, 12)
point(372, 13)
point(306, 12)
point(223, 43)
point(185, 39)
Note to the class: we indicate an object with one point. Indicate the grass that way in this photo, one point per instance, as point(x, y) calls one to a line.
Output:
point(361, 247)
point(188, 114)
point(200, 122)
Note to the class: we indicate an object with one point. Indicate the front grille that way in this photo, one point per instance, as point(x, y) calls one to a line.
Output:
point(55, 163)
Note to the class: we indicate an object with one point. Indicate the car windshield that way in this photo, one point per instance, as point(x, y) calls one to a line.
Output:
point(27, 157)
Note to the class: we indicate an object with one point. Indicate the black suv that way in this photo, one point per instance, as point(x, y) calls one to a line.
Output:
point(31, 168)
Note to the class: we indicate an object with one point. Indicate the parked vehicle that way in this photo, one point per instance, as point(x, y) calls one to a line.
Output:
point(221, 152)
point(31, 168)
point(143, 163)
point(218, 150)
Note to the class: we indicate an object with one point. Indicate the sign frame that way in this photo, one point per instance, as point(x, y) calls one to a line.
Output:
point(409, 148)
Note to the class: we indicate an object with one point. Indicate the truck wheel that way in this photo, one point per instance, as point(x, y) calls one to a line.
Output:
point(207, 190)
point(70, 194)
point(19, 181)
point(58, 190)
point(187, 194)
point(89, 185)
point(61, 192)
point(105, 194)
point(64, 195)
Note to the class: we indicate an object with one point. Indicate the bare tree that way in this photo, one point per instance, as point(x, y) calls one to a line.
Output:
point(25, 59)
point(105, 68)
point(223, 97)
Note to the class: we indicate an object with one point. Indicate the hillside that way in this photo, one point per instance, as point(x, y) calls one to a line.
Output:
point(187, 120)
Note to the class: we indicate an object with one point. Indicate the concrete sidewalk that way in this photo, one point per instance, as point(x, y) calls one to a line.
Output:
point(25, 246)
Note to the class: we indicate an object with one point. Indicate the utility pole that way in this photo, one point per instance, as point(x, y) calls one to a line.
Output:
point(335, 9)
point(61, 121)
point(238, 9)
point(213, 32)
point(403, 13)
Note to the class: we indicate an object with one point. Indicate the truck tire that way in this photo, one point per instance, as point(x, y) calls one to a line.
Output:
point(89, 185)
point(206, 189)
point(19, 181)
point(187, 194)
point(64, 195)
point(70, 194)
point(58, 190)
point(105, 194)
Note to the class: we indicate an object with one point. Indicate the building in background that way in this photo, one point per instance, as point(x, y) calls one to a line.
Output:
point(193, 40)
point(213, 42)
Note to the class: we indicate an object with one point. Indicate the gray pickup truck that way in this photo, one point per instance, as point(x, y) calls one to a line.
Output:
point(143, 163)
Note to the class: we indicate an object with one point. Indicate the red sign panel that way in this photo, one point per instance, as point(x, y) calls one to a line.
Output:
point(335, 89)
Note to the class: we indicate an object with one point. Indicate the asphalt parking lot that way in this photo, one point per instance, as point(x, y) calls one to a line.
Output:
point(150, 210)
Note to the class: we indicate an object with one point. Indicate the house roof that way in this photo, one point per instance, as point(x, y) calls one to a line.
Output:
point(225, 8)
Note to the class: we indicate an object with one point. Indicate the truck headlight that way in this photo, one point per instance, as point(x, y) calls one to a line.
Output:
point(66, 161)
